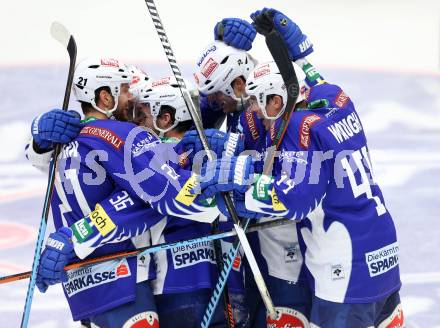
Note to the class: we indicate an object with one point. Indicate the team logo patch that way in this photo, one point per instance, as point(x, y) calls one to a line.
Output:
point(341, 99)
point(287, 318)
point(104, 134)
point(209, 67)
point(337, 272)
point(291, 253)
point(304, 132)
point(147, 319)
point(88, 277)
point(383, 259)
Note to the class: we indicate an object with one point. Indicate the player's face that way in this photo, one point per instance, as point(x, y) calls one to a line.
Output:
point(144, 116)
point(239, 87)
point(121, 112)
point(273, 106)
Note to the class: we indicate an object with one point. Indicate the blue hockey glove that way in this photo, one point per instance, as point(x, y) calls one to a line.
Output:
point(235, 32)
point(56, 126)
point(56, 255)
point(239, 203)
point(298, 45)
point(221, 143)
point(225, 174)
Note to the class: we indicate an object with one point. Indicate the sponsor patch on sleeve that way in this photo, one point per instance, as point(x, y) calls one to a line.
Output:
point(341, 99)
point(102, 221)
point(304, 129)
point(81, 230)
point(261, 187)
point(276, 203)
point(184, 196)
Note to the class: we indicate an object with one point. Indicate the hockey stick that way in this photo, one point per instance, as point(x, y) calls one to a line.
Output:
point(154, 248)
point(264, 25)
point(62, 35)
point(197, 121)
point(198, 124)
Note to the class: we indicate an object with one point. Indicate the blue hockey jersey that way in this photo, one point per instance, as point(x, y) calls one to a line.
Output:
point(323, 176)
point(276, 249)
point(108, 155)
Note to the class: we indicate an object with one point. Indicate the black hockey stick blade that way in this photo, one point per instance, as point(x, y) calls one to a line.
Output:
point(60, 33)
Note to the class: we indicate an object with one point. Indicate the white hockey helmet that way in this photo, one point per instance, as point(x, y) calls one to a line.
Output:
point(266, 80)
point(166, 92)
point(139, 81)
point(219, 65)
point(94, 73)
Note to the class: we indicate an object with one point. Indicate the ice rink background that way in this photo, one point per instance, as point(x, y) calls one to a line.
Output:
point(384, 54)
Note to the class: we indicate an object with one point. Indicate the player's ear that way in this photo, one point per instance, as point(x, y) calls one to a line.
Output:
point(105, 98)
point(165, 120)
point(278, 102)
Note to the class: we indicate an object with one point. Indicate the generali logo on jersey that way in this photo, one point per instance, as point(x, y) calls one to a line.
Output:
point(209, 67)
point(104, 134)
point(109, 62)
point(304, 133)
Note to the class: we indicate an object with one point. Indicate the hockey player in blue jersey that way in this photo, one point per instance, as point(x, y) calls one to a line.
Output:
point(323, 177)
point(102, 86)
point(221, 73)
point(186, 275)
point(176, 282)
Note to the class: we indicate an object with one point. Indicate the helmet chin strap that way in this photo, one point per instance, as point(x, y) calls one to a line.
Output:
point(163, 131)
point(273, 118)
